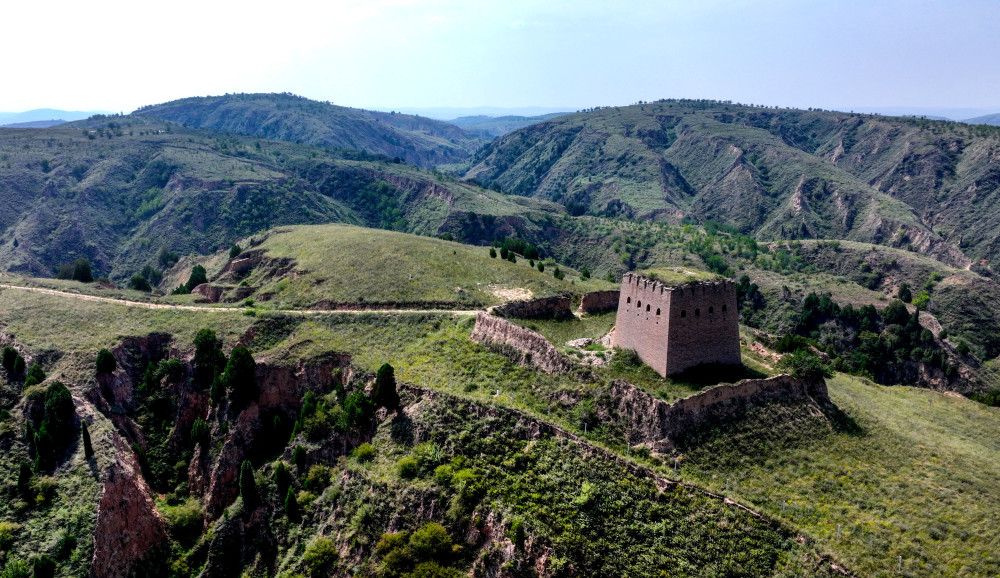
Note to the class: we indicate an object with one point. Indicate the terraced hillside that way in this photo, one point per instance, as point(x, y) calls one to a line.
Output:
point(773, 173)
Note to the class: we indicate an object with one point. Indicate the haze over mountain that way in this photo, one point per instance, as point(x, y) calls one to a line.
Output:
point(44, 114)
point(992, 119)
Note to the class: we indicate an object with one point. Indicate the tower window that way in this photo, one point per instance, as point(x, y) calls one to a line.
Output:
point(638, 303)
point(723, 308)
point(657, 310)
point(684, 314)
point(697, 312)
point(628, 299)
point(711, 310)
point(647, 307)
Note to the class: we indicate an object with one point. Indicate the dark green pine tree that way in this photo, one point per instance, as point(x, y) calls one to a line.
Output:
point(291, 506)
point(88, 449)
point(248, 486)
point(385, 394)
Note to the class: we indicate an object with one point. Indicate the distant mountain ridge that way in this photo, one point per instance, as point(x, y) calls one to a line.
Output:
point(772, 173)
point(493, 126)
point(35, 124)
point(417, 140)
point(45, 114)
point(991, 119)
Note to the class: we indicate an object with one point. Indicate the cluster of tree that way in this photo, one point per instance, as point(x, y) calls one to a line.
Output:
point(51, 424)
point(197, 277)
point(13, 363)
point(864, 340)
point(145, 279)
point(514, 245)
point(343, 412)
point(78, 271)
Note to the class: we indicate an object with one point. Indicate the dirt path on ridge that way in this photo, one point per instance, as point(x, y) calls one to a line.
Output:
point(144, 305)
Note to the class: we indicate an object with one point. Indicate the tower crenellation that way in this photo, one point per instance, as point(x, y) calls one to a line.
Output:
point(676, 327)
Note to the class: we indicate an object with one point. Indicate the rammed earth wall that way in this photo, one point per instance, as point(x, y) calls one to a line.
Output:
point(660, 425)
point(599, 301)
point(674, 328)
point(524, 345)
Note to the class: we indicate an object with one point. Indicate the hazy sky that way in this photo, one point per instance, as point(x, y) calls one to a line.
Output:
point(118, 55)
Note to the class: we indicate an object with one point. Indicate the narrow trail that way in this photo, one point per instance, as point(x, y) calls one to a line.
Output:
point(145, 305)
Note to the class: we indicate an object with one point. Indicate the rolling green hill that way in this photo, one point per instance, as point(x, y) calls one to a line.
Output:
point(417, 140)
point(773, 173)
point(328, 265)
point(121, 190)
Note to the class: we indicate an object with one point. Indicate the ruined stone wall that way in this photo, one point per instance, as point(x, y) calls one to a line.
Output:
point(677, 328)
point(599, 301)
point(527, 346)
point(557, 307)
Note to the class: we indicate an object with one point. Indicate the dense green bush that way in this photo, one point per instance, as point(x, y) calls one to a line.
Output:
point(358, 411)
point(34, 376)
point(208, 357)
point(317, 479)
point(426, 552)
point(200, 431)
point(9, 355)
point(81, 271)
point(248, 486)
point(408, 467)
point(364, 452)
point(106, 362)
point(139, 283)
point(8, 534)
point(320, 556)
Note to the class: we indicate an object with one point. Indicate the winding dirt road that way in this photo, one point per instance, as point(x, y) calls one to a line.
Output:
point(144, 305)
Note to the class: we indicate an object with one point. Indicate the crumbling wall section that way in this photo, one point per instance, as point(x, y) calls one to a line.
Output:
point(659, 424)
point(557, 307)
point(599, 301)
point(520, 344)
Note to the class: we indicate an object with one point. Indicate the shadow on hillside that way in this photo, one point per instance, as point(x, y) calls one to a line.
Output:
point(708, 374)
point(841, 421)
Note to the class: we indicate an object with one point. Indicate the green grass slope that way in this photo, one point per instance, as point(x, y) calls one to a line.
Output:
point(343, 264)
point(913, 476)
point(416, 140)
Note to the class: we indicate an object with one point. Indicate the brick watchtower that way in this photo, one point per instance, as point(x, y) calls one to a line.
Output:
point(674, 328)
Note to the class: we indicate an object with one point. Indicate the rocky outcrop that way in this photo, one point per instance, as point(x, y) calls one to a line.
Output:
point(599, 301)
point(281, 390)
point(660, 425)
point(130, 538)
point(519, 344)
point(211, 293)
point(542, 308)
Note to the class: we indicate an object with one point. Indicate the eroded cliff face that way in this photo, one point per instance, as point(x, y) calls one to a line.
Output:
point(659, 425)
point(519, 344)
point(130, 538)
point(281, 391)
